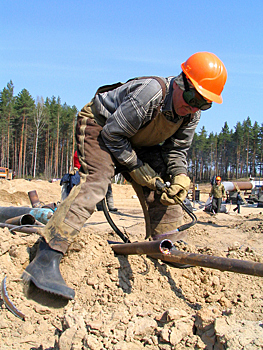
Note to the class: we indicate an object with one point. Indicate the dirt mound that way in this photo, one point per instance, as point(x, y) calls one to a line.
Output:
point(15, 192)
point(134, 302)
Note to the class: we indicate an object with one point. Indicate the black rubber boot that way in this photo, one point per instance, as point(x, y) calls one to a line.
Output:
point(44, 272)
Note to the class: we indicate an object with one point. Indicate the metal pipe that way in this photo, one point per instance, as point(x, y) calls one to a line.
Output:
point(215, 262)
point(26, 219)
point(24, 229)
point(8, 302)
point(33, 196)
point(231, 186)
point(52, 206)
point(40, 214)
point(138, 248)
point(166, 251)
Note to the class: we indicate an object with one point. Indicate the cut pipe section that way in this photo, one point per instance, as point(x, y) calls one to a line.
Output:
point(165, 251)
point(41, 214)
point(26, 219)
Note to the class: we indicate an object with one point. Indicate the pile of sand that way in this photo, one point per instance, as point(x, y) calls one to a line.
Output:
point(134, 302)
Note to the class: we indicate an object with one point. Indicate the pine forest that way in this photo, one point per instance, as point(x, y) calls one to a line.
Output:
point(38, 141)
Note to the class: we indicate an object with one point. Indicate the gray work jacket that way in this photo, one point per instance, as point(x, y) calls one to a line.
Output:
point(125, 110)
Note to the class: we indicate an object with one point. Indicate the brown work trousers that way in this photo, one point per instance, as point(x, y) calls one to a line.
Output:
point(97, 170)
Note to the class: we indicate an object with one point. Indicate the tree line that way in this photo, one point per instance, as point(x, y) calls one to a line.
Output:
point(231, 154)
point(38, 140)
point(37, 136)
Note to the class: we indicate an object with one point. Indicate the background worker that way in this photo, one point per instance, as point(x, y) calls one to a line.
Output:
point(70, 179)
point(239, 202)
point(143, 128)
point(109, 201)
point(217, 192)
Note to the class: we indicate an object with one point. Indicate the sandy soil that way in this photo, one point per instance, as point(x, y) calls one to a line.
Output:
point(134, 302)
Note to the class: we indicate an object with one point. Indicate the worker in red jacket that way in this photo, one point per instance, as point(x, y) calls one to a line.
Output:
point(76, 160)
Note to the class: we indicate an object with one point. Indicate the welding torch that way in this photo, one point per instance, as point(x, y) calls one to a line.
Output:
point(161, 187)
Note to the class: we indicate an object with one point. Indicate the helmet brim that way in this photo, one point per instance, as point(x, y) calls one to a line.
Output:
point(205, 93)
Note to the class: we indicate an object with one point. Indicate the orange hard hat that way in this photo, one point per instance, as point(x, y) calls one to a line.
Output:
point(207, 73)
point(218, 178)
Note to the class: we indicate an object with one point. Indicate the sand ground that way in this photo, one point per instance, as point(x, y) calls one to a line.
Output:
point(135, 302)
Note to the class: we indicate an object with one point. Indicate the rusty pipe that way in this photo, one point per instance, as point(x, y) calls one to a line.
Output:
point(215, 262)
point(33, 197)
point(40, 214)
point(24, 229)
point(35, 202)
point(138, 248)
point(52, 206)
point(25, 219)
point(242, 185)
point(166, 251)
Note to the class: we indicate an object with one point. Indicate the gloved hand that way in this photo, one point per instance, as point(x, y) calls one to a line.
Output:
point(179, 186)
point(145, 176)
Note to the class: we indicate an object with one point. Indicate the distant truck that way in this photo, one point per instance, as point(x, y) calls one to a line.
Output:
point(6, 173)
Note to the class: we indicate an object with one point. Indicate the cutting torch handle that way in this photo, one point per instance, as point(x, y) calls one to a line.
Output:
point(160, 186)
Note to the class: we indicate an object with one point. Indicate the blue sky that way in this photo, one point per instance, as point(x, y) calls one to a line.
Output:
point(68, 48)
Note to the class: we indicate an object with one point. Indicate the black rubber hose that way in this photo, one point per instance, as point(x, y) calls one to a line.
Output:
point(126, 239)
point(112, 224)
point(192, 216)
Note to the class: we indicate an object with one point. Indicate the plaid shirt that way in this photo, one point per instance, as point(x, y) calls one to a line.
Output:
point(123, 111)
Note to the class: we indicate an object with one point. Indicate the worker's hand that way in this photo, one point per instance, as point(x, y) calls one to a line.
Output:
point(145, 176)
point(179, 188)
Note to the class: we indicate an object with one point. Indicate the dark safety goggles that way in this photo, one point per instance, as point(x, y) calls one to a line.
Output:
point(193, 98)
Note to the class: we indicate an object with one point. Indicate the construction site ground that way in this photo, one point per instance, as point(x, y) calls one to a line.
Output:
point(134, 302)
